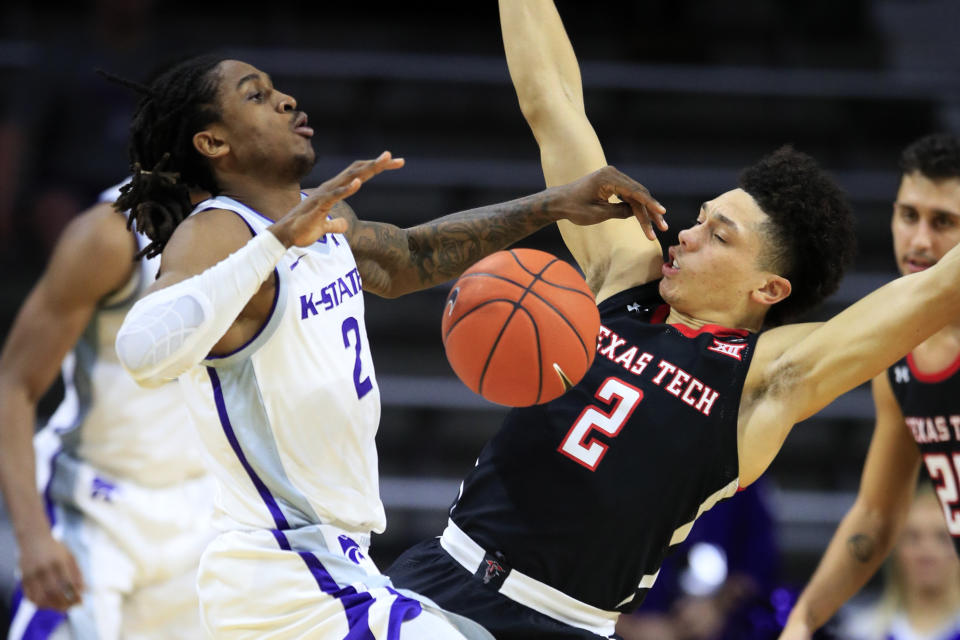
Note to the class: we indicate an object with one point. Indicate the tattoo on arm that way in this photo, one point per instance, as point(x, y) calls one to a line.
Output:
point(861, 547)
point(398, 260)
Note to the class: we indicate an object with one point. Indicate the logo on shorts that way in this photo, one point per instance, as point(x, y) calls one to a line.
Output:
point(494, 569)
point(350, 549)
point(102, 489)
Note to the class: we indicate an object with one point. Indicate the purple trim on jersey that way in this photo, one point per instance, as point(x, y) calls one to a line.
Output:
point(278, 518)
point(15, 600)
point(273, 307)
point(356, 605)
point(43, 621)
point(276, 292)
point(402, 609)
point(47, 498)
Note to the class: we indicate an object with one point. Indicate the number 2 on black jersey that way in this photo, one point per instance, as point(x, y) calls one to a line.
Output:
point(588, 451)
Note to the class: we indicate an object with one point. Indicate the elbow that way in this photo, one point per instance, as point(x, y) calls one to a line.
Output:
point(541, 105)
point(877, 525)
point(135, 357)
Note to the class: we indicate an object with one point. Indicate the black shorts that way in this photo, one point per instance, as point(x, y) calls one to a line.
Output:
point(429, 570)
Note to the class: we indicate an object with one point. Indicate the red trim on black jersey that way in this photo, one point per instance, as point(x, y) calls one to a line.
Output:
point(660, 314)
point(938, 376)
point(712, 329)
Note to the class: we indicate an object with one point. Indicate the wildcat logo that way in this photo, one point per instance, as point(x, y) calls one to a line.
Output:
point(727, 349)
point(350, 549)
point(102, 489)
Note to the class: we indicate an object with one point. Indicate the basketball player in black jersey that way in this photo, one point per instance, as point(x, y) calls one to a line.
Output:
point(917, 400)
point(572, 506)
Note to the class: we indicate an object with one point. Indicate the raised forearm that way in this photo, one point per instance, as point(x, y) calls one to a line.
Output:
point(859, 546)
point(397, 261)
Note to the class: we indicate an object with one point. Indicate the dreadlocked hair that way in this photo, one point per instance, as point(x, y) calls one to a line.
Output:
point(174, 106)
point(809, 235)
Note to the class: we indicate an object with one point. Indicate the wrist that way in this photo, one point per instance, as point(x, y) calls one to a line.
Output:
point(551, 203)
point(29, 533)
point(801, 617)
point(281, 232)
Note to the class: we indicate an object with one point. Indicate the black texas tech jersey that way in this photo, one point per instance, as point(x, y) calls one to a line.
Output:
point(931, 408)
point(588, 492)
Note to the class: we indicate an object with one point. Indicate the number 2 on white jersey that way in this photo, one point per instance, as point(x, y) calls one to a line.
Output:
point(362, 385)
point(588, 451)
point(946, 476)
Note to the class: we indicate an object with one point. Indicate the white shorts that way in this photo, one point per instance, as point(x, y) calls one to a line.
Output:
point(315, 582)
point(138, 549)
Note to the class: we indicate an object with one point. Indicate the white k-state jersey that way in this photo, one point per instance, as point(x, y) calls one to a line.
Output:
point(105, 418)
point(290, 419)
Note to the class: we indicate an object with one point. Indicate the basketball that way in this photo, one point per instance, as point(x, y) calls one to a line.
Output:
point(520, 327)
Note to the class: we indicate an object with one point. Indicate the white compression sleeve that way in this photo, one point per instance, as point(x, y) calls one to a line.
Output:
point(170, 330)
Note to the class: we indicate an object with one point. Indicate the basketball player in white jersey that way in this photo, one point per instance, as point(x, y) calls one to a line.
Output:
point(109, 546)
point(259, 311)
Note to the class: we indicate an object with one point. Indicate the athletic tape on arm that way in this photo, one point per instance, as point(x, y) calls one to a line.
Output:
point(171, 330)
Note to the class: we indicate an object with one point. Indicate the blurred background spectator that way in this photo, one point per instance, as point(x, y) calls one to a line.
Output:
point(683, 93)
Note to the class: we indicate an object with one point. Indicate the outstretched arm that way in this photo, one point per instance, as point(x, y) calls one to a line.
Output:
point(394, 261)
point(93, 257)
point(799, 369)
point(868, 531)
point(615, 255)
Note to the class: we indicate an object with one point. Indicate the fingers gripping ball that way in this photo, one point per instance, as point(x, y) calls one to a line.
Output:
point(520, 327)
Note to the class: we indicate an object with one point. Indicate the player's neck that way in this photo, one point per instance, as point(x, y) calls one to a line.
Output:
point(939, 351)
point(694, 322)
point(261, 194)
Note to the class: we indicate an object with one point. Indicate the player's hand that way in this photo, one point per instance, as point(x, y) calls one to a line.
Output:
point(308, 222)
point(51, 578)
point(587, 200)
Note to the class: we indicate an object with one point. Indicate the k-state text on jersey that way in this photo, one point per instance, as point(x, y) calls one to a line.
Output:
point(331, 295)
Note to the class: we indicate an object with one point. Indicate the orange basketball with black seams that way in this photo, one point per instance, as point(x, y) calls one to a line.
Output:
point(520, 327)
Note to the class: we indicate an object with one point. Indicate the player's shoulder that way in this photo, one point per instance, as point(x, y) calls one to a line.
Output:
point(99, 231)
point(213, 225)
point(639, 301)
point(93, 256)
point(204, 238)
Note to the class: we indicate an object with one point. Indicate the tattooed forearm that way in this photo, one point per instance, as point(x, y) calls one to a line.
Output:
point(396, 261)
point(861, 547)
point(443, 249)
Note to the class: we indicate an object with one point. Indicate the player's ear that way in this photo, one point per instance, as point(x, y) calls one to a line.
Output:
point(210, 143)
point(774, 289)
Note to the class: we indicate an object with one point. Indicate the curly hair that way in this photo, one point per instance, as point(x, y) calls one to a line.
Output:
point(175, 105)
point(809, 237)
point(936, 156)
